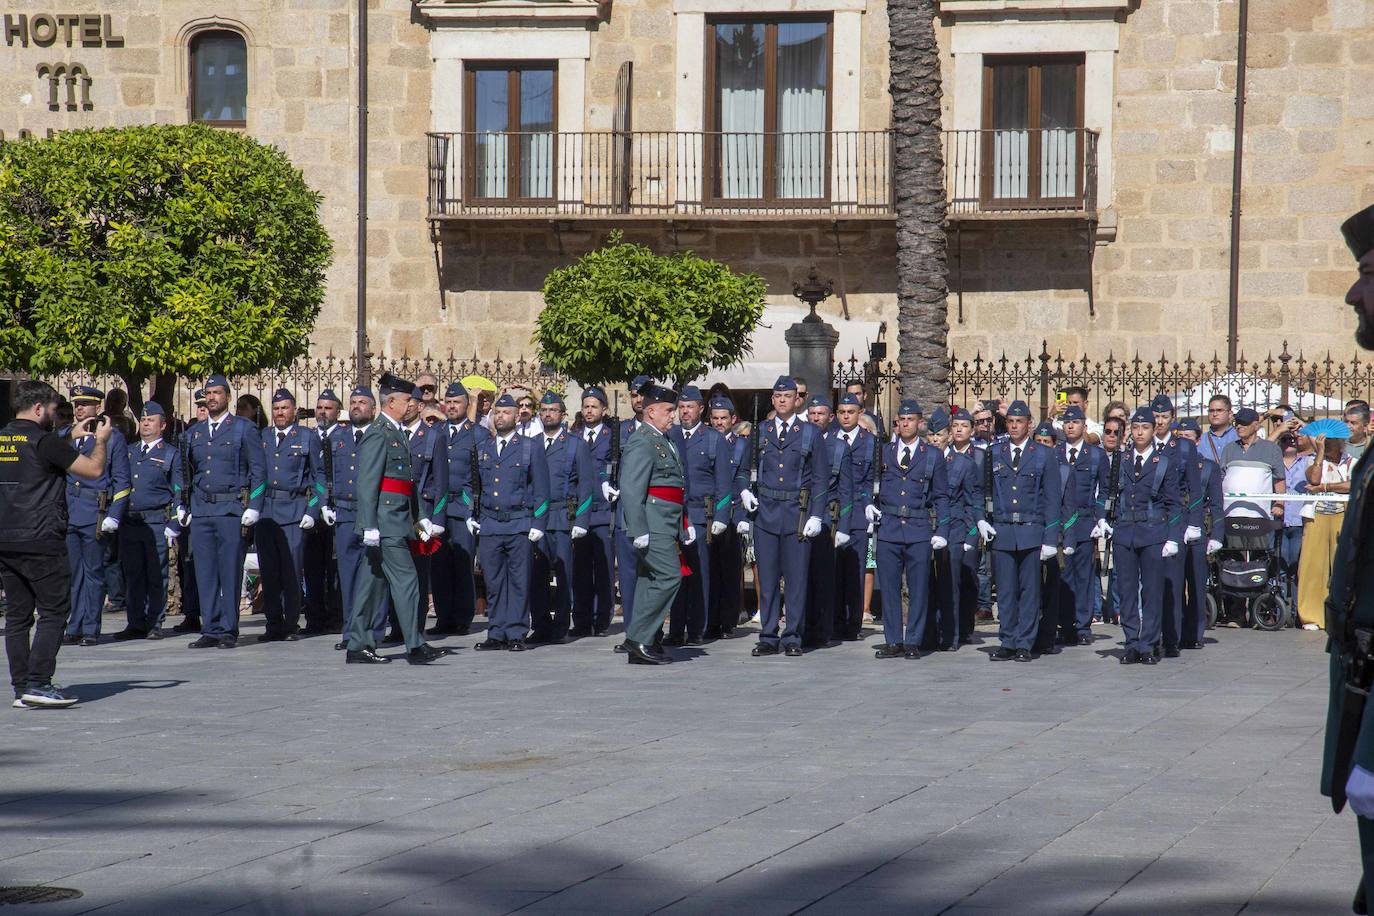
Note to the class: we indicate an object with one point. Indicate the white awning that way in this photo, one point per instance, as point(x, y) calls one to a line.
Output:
point(769, 358)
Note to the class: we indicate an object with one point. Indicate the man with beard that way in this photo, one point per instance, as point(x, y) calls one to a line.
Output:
point(344, 444)
point(322, 607)
point(593, 591)
point(455, 594)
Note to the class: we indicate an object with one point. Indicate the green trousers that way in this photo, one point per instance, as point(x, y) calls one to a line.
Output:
point(388, 565)
point(660, 576)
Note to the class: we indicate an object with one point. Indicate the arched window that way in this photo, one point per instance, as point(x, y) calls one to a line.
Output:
point(219, 78)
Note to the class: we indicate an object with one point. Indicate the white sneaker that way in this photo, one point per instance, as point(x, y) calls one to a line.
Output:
point(47, 696)
point(1310, 626)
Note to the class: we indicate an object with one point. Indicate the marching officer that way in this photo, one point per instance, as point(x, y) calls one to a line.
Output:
point(593, 555)
point(727, 548)
point(94, 511)
point(572, 481)
point(151, 523)
point(912, 483)
point(821, 584)
point(1183, 458)
point(851, 557)
point(790, 471)
point(1084, 475)
point(1023, 531)
point(710, 481)
point(190, 593)
point(429, 473)
point(388, 523)
point(510, 517)
point(652, 498)
point(1147, 531)
point(626, 560)
point(965, 511)
point(455, 593)
point(969, 559)
point(228, 481)
point(1214, 523)
point(344, 444)
point(290, 507)
point(323, 608)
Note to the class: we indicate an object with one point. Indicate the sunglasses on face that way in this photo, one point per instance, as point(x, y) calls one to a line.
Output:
point(430, 388)
point(982, 421)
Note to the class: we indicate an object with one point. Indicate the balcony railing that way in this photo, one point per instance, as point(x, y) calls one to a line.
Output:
point(662, 174)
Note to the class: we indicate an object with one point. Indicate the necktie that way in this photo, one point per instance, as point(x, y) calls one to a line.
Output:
point(591, 438)
point(407, 432)
point(1015, 457)
point(323, 433)
point(357, 436)
point(686, 437)
point(1139, 464)
point(281, 437)
point(1073, 456)
point(845, 437)
point(500, 447)
point(906, 457)
point(782, 431)
point(214, 428)
point(145, 449)
point(548, 443)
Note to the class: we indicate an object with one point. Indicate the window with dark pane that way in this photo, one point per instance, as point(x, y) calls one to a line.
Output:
point(511, 115)
point(1033, 130)
point(219, 78)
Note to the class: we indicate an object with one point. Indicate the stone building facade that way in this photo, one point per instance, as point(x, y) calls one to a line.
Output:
point(510, 136)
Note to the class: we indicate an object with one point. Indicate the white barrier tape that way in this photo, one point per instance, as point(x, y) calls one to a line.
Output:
point(1291, 497)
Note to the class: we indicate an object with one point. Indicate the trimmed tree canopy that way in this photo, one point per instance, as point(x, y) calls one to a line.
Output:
point(155, 250)
point(622, 310)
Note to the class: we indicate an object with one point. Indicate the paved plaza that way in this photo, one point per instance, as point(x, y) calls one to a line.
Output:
point(273, 779)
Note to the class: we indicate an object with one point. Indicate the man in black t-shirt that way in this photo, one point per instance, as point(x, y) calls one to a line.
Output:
point(34, 462)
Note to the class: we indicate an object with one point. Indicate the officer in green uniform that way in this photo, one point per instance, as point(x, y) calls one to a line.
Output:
point(652, 479)
point(1348, 761)
point(387, 523)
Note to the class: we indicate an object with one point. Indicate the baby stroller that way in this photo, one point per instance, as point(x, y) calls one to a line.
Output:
point(1250, 578)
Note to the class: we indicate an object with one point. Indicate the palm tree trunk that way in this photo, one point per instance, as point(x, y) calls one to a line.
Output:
point(919, 190)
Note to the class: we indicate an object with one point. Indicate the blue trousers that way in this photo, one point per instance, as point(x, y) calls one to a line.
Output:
point(784, 563)
point(114, 573)
point(967, 589)
point(1141, 584)
point(627, 572)
point(912, 562)
point(455, 596)
point(851, 561)
point(1074, 599)
point(1018, 595)
point(1195, 596)
point(143, 557)
point(593, 591)
point(348, 548)
point(86, 557)
point(220, 549)
point(281, 563)
point(1290, 549)
point(1174, 570)
point(688, 617)
point(506, 567)
point(551, 585)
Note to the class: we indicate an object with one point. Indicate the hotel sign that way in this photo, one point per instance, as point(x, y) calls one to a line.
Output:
point(44, 30)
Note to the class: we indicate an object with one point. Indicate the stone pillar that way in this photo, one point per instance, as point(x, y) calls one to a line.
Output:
point(811, 353)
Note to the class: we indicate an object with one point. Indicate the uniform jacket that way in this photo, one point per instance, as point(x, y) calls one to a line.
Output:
point(572, 480)
point(600, 454)
point(909, 496)
point(786, 467)
point(1025, 501)
point(1084, 492)
point(1148, 508)
point(383, 453)
point(862, 464)
point(345, 449)
point(156, 481)
point(1213, 505)
point(650, 460)
point(515, 486)
point(737, 448)
point(706, 461)
point(222, 467)
point(1183, 456)
point(295, 475)
point(965, 496)
point(83, 496)
point(626, 430)
point(429, 471)
point(460, 445)
point(839, 481)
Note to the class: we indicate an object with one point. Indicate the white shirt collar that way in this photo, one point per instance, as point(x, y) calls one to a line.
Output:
point(1024, 442)
point(1144, 456)
point(692, 431)
point(413, 426)
point(505, 440)
point(362, 429)
point(592, 430)
point(392, 420)
point(780, 424)
point(149, 446)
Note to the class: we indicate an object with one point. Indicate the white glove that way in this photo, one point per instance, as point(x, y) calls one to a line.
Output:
point(250, 517)
point(535, 535)
point(109, 526)
point(1100, 530)
point(841, 538)
point(329, 515)
point(1047, 551)
point(968, 547)
point(474, 528)
point(718, 527)
point(1170, 549)
point(1213, 547)
point(578, 532)
point(873, 514)
point(938, 543)
point(307, 522)
point(183, 516)
point(1068, 551)
point(372, 538)
point(743, 528)
point(748, 500)
point(1359, 791)
point(987, 531)
point(608, 492)
point(812, 527)
point(1192, 533)
point(641, 542)
point(689, 536)
point(170, 533)
point(435, 530)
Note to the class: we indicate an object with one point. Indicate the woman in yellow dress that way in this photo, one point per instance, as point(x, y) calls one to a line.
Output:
point(1329, 474)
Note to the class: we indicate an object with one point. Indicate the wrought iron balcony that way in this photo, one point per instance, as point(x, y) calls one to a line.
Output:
point(759, 176)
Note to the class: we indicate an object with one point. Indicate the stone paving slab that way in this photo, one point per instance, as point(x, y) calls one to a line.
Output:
point(276, 780)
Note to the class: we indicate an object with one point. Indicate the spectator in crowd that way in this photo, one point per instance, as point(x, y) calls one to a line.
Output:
point(1329, 472)
point(1252, 466)
point(984, 425)
point(1290, 539)
point(856, 387)
point(1117, 409)
point(428, 384)
point(481, 407)
point(117, 409)
point(1357, 418)
point(526, 422)
point(1220, 431)
point(1107, 607)
point(1075, 396)
point(250, 408)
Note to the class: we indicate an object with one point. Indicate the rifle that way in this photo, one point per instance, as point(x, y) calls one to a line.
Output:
point(329, 487)
point(475, 481)
point(710, 518)
point(1113, 486)
point(615, 453)
point(245, 530)
point(102, 509)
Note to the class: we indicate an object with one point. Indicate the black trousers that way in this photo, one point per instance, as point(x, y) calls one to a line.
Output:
point(32, 582)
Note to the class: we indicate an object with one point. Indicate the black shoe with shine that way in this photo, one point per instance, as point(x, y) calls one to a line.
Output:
point(492, 645)
point(601, 631)
point(394, 638)
point(70, 639)
point(187, 626)
point(1190, 645)
point(365, 657)
point(793, 651)
point(1022, 655)
point(1171, 652)
point(1048, 650)
point(911, 652)
point(1149, 658)
point(228, 642)
point(763, 649)
point(128, 634)
point(579, 632)
point(620, 647)
point(639, 654)
point(155, 633)
point(695, 641)
point(423, 654)
point(1002, 654)
point(516, 645)
point(888, 650)
point(1085, 640)
point(89, 641)
point(205, 642)
point(309, 630)
point(1132, 657)
point(341, 645)
point(678, 641)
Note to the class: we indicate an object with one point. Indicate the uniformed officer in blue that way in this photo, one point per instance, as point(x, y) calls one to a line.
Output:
point(1214, 524)
point(727, 547)
point(790, 473)
point(94, 511)
point(1084, 472)
point(710, 481)
point(290, 507)
point(572, 483)
point(965, 511)
point(344, 444)
point(970, 558)
point(1023, 530)
point(912, 487)
point(150, 524)
point(429, 472)
point(1147, 531)
point(851, 557)
point(626, 557)
point(821, 593)
point(594, 555)
point(190, 593)
point(512, 512)
point(323, 605)
point(228, 483)
point(455, 594)
point(1183, 458)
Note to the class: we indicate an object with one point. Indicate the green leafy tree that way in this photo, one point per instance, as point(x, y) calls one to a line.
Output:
point(622, 310)
point(156, 252)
